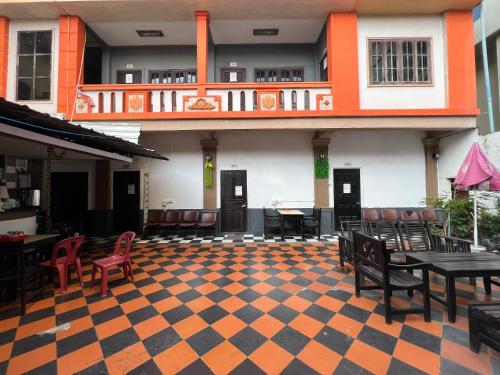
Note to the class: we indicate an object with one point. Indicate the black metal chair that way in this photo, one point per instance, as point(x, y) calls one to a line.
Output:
point(372, 261)
point(17, 270)
point(312, 223)
point(271, 221)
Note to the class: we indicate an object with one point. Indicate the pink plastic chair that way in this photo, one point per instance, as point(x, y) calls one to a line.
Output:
point(120, 257)
point(71, 247)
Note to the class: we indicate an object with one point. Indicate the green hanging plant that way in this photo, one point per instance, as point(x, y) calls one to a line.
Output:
point(321, 168)
point(208, 173)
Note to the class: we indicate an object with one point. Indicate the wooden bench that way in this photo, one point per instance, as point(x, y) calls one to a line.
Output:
point(484, 325)
point(372, 261)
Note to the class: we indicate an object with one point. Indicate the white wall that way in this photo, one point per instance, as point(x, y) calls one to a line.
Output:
point(180, 178)
point(392, 165)
point(49, 106)
point(26, 225)
point(279, 165)
point(401, 97)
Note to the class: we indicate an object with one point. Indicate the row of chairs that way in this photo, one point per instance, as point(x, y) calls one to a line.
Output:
point(24, 270)
point(188, 219)
point(407, 232)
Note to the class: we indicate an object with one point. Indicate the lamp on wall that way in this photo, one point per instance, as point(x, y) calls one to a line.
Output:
point(4, 194)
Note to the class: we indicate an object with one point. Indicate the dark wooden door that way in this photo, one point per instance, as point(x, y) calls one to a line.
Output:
point(68, 198)
point(346, 195)
point(233, 75)
point(234, 201)
point(126, 200)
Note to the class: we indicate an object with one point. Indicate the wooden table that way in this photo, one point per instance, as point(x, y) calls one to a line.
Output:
point(37, 240)
point(292, 214)
point(453, 265)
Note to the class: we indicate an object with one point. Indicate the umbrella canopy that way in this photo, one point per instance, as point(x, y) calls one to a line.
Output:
point(477, 169)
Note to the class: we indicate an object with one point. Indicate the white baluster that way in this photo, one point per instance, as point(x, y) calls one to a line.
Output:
point(155, 101)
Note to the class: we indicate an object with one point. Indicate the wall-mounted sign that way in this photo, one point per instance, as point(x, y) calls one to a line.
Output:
point(131, 189)
point(130, 66)
point(129, 78)
point(238, 191)
point(233, 76)
point(233, 64)
point(347, 189)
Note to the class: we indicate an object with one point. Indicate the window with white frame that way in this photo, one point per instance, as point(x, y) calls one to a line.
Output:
point(400, 61)
point(34, 65)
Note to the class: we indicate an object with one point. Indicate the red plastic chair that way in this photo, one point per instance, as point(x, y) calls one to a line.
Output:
point(120, 257)
point(71, 247)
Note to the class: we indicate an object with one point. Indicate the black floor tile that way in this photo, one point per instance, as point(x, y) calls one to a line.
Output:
point(76, 341)
point(334, 340)
point(161, 341)
point(213, 314)
point(283, 313)
point(297, 367)
point(205, 340)
point(291, 340)
point(248, 340)
point(118, 341)
point(176, 315)
point(248, 314)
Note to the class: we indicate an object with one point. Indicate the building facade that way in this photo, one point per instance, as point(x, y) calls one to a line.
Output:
point(261, 91)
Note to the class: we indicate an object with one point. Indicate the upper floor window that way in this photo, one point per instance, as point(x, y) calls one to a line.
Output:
point(173, 76)
point(279, 75)
point(400, 61)
point(34, 65)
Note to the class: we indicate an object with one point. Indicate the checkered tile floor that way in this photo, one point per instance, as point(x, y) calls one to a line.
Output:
point(225, 238)
point(240, 309)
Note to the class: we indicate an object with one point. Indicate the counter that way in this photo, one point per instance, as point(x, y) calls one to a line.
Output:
point(18, 220)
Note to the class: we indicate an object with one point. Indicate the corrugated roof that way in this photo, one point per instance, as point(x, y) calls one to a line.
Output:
point(26, 118)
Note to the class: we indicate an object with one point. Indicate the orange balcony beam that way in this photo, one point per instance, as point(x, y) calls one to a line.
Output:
point(4, 53)
point(342, 55)
point(71, 53)
point(461, 60)
point(202, 20)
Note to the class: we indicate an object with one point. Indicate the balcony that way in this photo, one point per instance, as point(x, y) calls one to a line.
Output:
point(220, 100)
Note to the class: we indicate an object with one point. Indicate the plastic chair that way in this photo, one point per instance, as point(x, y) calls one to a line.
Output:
point(120, 257)
point(71, 247)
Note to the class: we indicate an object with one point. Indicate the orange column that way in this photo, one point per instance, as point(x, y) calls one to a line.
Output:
point(461, 60)
point(71, 52)
point(4, 53)
point(342, 52)
point(202, 50)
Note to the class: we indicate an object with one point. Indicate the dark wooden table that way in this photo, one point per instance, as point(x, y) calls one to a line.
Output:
point(296, 214)
point(453, 265)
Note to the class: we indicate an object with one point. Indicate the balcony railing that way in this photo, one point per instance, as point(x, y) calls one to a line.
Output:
point(174, 100)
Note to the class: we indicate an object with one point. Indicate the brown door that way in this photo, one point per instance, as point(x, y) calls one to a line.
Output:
point(233, 75)
point(126, 201)
point(234, 201)
point(346, 195)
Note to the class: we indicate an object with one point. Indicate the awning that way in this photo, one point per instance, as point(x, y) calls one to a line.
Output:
point(23, 122)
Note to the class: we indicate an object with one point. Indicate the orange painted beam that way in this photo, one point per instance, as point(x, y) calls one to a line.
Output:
point(342, 55)
point(201, 50)
point(461, 60)
point(71, 53)
point(358, 113)
point(4, 54)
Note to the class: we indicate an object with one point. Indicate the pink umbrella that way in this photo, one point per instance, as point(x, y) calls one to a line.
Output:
point(477, 172)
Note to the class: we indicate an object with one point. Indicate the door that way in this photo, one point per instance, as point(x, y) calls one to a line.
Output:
point(68, 198)
point(126, 199)
point(129, 76)
point(233, 75)
point(234, 201)
point(346, 195)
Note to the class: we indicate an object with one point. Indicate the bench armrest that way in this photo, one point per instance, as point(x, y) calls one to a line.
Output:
point(414, 266)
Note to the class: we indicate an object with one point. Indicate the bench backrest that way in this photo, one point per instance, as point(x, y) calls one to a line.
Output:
point(370, 252)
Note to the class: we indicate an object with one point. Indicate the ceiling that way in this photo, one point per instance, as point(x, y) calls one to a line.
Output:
point(223, 32)
point(183, 10)
point(25, 149)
